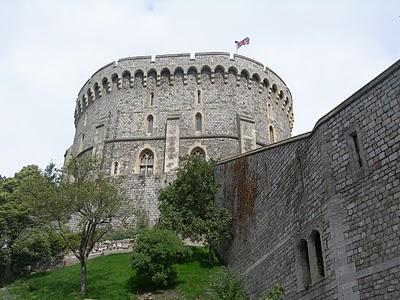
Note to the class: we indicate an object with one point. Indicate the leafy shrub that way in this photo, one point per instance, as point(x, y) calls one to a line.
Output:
point(187, 205)
point(57, 243)
point(155, 253)
point(276, 293)
point(120, 234)
point(225, 285)
point(29, 248)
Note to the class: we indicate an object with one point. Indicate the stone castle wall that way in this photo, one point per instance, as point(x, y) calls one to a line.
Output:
point(239, 100)
point(319, 213)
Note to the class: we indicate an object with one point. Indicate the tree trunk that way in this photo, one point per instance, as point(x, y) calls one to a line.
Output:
point(7, 275)
point(83, 274)
point(209, 255)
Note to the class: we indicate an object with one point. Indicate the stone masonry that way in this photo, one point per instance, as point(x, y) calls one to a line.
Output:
point(140, 114)
point(319, 213)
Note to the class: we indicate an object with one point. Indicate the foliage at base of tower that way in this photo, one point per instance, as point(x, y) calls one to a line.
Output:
point(225, 285)
point(276, 293)
point(26, 240)
point(89, 202)
point(187, 205)
point(155, 253)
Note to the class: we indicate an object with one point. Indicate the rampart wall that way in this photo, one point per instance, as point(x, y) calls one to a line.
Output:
point(319, 213)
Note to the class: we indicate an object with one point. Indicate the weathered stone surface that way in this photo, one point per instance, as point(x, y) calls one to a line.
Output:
point(342, 180)
point(238, 98)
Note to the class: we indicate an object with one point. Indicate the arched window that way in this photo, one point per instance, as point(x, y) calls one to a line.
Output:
point(266, 83)
point(274, 88)
point(126, 79)
point(271, 135)
point(146, 163)
point(151, 99)
point(198, 151)
point(198, 96)
point(150, 124)
point(90, 96)
point(96, 91)
point(115, 168)
point(105, 84)
point(286, 101)
point(115, 82)
point(281, 95)
point(304, 278)
point(198, 122)
point(317, 262)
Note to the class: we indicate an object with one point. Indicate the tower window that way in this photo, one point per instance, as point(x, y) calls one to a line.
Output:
point(304, 278)
point(149, 124)
point(198, 151)
point(198, 122)
point(146, 163)
point(356, 144)
point(151, 100)
point(115, 168)
point(271, 135)
point(198, 96)
point(318, 265)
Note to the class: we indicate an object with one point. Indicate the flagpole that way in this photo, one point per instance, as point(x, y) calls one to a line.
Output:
point(241, 43)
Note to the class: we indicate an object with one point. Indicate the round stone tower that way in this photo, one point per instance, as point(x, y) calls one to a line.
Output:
point(140, 114)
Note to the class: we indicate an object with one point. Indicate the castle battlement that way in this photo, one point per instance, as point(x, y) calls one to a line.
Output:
point(127, 72)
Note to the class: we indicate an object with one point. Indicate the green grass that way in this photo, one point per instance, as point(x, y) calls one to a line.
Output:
point(109, 277)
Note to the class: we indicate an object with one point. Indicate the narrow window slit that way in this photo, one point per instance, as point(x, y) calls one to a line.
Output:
point(357, 148)
point(151, 99)
point(198, 97)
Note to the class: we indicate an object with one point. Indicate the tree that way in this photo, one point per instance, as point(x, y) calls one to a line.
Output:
point(187, 205)
point(83, 208)
point(25, 239)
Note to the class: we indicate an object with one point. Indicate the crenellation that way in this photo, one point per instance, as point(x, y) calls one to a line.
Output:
point(219, 61)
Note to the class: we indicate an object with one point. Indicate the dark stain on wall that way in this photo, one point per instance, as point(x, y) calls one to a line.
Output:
point(246, 191)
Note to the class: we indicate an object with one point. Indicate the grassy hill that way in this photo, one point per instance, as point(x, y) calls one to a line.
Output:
point(109, 277)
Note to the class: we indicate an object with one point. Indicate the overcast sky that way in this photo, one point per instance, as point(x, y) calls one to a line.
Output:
point(323, 50)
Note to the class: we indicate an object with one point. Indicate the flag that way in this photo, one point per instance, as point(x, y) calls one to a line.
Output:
point(243, 42)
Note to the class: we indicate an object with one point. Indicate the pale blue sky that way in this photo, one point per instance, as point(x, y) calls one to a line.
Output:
point(323, 50)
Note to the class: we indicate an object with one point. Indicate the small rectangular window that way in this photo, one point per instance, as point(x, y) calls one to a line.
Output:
point(356, 145)
point(152, 99)
point(198, 97)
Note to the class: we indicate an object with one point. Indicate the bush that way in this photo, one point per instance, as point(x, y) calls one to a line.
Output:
point(225, 285)
point(154, 255)
point(276, 293)
point(31, 247)
point(120, 234)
